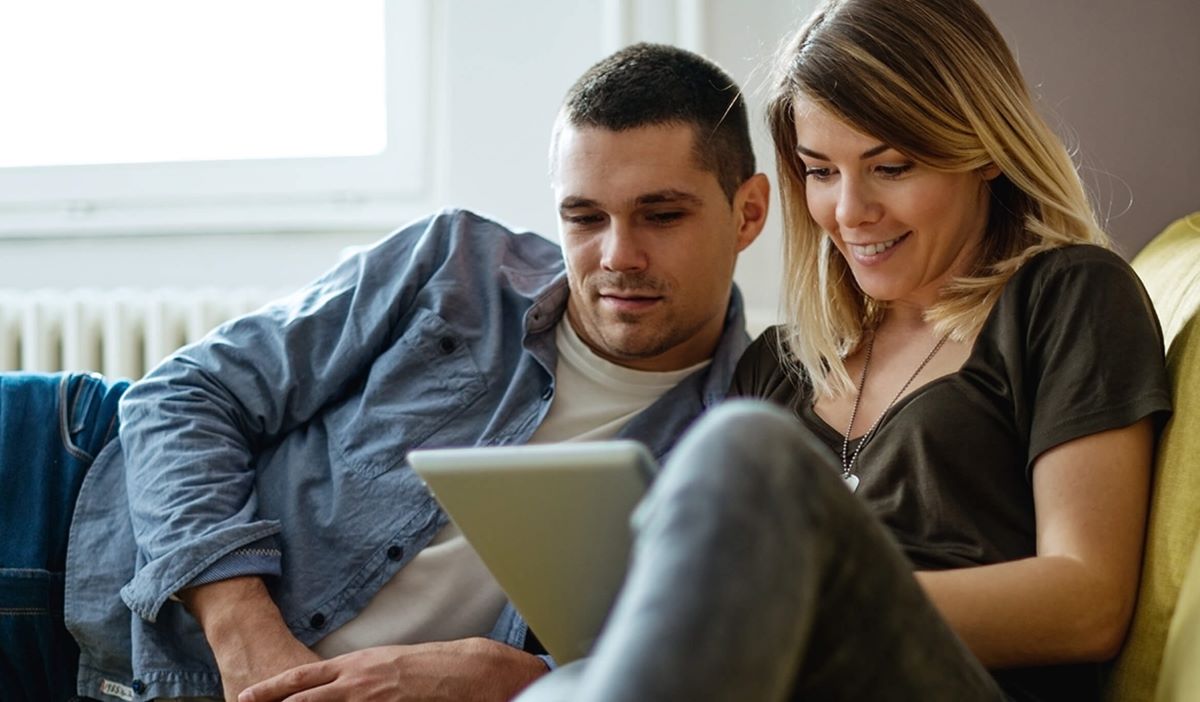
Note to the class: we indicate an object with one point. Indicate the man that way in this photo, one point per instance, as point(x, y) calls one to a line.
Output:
point(259, 476)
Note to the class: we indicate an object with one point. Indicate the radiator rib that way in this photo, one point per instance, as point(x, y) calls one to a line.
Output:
point(122, 333)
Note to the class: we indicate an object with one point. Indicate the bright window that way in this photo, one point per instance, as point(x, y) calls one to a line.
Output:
point(133, 115)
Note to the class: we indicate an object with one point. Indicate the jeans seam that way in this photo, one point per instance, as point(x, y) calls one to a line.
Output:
point(64, 416)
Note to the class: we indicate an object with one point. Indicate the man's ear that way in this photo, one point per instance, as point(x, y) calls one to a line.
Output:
point(750, 205)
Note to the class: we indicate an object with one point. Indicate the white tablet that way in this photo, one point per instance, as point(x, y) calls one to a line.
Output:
point(551, 522)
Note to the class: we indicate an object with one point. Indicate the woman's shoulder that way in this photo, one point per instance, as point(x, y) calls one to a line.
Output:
point(1075, 260)
point(770, 351)
point(1082, 331)
point(768, 339)
point(1076, 274)
point(1076, 292)
point(764, 355)
point(761, 370)
point(1082, 297)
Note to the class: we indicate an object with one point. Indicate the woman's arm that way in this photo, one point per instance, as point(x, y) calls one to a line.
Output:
point(1073, 601)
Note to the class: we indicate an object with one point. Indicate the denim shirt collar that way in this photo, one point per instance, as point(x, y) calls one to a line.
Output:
point(549, 301)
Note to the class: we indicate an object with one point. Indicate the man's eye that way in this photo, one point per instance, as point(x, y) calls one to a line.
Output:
point(668, 217)
point(583, 220)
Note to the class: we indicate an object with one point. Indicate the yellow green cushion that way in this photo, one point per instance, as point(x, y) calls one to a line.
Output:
point(1179, 678)
point(1170, 268)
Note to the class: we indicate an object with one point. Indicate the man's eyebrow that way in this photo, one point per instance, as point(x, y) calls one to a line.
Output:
point(667, 196)
point(574, 202)
point(873, 151)
point(658, 197)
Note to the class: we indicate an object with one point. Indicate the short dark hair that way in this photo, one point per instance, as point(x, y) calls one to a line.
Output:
point(651, 84)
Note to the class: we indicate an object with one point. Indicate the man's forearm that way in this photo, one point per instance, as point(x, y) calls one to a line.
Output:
point(245, 630)
point(227, 607)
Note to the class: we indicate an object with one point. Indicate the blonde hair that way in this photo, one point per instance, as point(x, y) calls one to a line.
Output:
point(934, 80)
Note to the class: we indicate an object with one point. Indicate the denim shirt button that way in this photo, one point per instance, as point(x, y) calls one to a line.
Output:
point(548, 392)
point(395, 552)
point(317, 621)
point(447, 344)
point(138, 686)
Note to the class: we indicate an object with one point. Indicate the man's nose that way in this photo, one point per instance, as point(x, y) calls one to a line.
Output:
point(622, 249)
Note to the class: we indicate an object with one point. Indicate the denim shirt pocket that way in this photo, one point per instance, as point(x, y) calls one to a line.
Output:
point(414, 389)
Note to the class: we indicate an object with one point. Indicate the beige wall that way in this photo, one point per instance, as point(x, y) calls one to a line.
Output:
point(1120, 80)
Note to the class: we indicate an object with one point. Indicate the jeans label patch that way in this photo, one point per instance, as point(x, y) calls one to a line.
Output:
point(109, 687)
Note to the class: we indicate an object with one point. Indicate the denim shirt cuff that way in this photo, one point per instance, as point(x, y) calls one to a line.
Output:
point(241, 550)
point(262, 557)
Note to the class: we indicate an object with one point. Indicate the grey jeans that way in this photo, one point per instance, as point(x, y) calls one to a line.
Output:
point(757, 575)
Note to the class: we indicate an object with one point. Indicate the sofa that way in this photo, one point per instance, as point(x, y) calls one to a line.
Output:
point(1160, 660)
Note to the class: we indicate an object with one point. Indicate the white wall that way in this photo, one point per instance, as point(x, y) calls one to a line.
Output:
point(502, 68)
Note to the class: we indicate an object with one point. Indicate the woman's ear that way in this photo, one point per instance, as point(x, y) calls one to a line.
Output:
point(990, 171)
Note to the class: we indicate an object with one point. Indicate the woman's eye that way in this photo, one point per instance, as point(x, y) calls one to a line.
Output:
point(893, 170)
point(818, 173)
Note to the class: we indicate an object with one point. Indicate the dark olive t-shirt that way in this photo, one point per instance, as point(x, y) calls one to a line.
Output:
point(1071, 348)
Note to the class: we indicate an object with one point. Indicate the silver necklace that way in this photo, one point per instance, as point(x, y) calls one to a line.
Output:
point(848, 476)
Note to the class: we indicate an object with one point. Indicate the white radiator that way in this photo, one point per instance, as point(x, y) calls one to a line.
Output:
point(122, 333)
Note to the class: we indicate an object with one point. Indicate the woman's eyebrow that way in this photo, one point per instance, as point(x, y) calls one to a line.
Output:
point(873, 151)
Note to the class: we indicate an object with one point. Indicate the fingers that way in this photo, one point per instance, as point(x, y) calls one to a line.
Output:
point(290, 682)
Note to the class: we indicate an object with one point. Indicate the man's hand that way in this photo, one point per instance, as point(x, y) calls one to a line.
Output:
point(245, 631)
point(469, 670)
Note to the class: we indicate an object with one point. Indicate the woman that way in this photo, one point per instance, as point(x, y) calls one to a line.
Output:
point(962, 351)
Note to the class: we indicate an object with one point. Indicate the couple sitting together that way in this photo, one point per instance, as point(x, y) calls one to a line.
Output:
point(935, 487)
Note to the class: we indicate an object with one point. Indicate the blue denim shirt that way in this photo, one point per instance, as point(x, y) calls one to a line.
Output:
point(276, 446)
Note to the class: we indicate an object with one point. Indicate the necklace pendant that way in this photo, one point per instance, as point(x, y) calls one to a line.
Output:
point(850, 479)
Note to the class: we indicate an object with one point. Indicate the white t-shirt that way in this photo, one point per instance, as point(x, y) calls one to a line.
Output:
point(593, 397)
point(446, 592)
